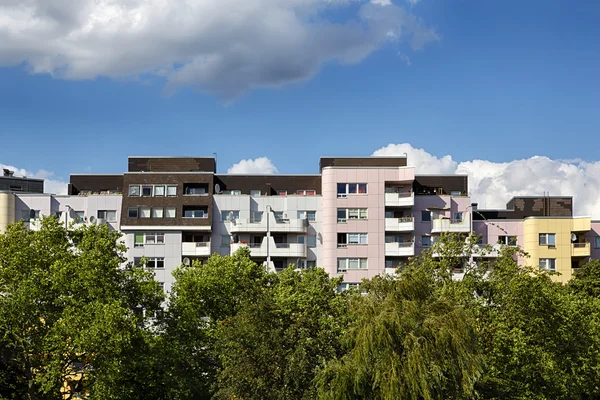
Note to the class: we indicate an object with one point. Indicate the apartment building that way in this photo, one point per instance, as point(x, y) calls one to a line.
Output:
point(358, 217)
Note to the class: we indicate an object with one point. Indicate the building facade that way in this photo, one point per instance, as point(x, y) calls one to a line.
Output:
point(358, 217)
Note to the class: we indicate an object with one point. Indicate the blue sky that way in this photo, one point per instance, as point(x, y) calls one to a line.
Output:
point(498, 81)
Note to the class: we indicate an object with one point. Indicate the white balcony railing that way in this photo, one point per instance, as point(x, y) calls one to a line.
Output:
point(404, 249)
point(275, 225)
point(268, 247)
point(400, 199)
point(404, 224)
point(199, 249)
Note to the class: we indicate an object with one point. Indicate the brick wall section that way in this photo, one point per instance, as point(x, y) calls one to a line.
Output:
point(269, 183)
point(178, 201)
point(362, 162)
point(172, 164)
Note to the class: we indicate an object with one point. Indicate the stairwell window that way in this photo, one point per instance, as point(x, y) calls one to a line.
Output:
point(548, 239)
point(549, 264)
point(507, 240)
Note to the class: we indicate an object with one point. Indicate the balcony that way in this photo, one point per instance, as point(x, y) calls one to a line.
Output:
point(405, 249)
point(404, 224)
point(451, 225)
point(275, 225)
point(291, 250)
point(198, 249)
point(399, 199)
point(580, 249)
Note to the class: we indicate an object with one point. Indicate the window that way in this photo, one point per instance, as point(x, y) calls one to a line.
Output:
point(345, 264)
point(27, 215)
point(194, 213)
point(109, 215)
point(159, 190)
point(425, 216)
point(137, 261)
point(147, 191)
point(255, 193)
point(225, 240)
point(278, 215)
point(132, 212)
point(157, 212)
point(144, 212)
point(311, 241)
point(134, 190)
point(309, 215)
point(195, 190)
point(282, 192)
point(170, 212)
point(156, 262)
point(548, 239)
point(311, 264)
point(345, 189)
point(507, 240)
point(455, 193)
point(256, 216)
point(230, 215)
point(138, 240)
point(549, 264)
point(155, 238)
point(458, 216)
point(425, 241)
point(236, 192)
point(344, 214)
point(306, 192)
point(171, 190)
point(301, 239)
point(597, 242)
point(357, 238)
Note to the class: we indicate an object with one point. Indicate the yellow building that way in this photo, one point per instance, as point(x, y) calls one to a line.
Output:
point(557, 243)
point(7, 209)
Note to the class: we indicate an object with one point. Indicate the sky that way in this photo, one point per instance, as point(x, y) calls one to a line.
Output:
point(504, 91)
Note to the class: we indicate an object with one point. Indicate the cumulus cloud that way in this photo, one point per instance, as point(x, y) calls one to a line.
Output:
point(221, 46)
point(258, 166)
point(52, 184)
point(492, 184)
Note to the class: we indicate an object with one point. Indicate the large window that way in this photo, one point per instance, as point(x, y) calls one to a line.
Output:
point(255, 192)
point(344, 214)
point(230, 215)
point(548, 239)
point(549, 264)
point(195, 212)
point(346, 189)
point(109, 215)
point(345, 264)
point(425, 216)
point(507, 240)
point(225, 240)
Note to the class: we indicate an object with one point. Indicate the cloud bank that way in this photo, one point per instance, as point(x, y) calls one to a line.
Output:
point(493, 184)
point(221, 46)
point(55, 186)
point(258, 166)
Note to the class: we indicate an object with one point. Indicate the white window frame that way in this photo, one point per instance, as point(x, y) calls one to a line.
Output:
point(506, 240)
point(347, 193)
point(282, 193)
point(159, 187)
point(132, 189)
point(147, 187)
point(354, 263)
point(357, 238)
point(458, 216)
point(361, 214)
point(154, 238)
point(548, 264)
point(138, 235)
point(153, 263)
point(105, 214)
point(167, 209)
point(204, 214)
point(544, 239)
point(308, 192)
point(230, 215)
point(141, 212)
point(170, 189)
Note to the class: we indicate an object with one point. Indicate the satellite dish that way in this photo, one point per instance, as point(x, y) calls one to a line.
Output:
point(573, 237)
point(217, 188)
point(186, 261)
point(93, 220)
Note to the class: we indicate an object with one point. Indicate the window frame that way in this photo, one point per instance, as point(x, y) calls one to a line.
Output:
point(429, 240)
point(545, 261)
point(143, 208)
point(311, 241)
point(174, 212)
point(597, 242)
point(428, 213)
point(139, 191)
point(162, 212)
point(171, 187)
point(147, 187)
point(352, 189)
point(546, 241)
point(137, 212)
point(159, 187)
point(227, 219)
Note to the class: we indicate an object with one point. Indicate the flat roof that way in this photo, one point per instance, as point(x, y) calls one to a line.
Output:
point(22, 178)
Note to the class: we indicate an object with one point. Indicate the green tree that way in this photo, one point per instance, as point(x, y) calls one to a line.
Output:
point(407, 340)
point(586, 279)
point(71, 317)
point(274, 346)
point(203, 296)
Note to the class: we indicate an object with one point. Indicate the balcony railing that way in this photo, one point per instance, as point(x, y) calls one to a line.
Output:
point(195, 249)
point(401, 249)
point(400, 199)
point(581, 249)
point(451, 225)
point(402, 224)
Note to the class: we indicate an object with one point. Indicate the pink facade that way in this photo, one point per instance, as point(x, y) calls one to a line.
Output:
point(374, 201)
point(593, 237)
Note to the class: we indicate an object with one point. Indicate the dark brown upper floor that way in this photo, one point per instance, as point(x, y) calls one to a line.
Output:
point(95, 184)
point(269, 185)
point(172, 164)
point(530, 206)
point(362, 162)
point(21, 184)
point(429, 185)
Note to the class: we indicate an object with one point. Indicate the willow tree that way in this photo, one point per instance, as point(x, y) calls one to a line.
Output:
point(407, 340)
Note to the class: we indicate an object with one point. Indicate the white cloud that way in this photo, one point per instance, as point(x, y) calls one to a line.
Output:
point(55, 186)
point(258, 166)
point(221, 46)
point(492, 184)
